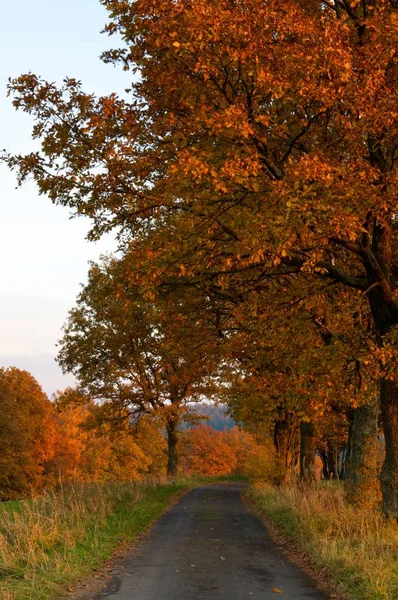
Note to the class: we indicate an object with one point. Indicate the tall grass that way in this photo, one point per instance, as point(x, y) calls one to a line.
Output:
point(49, 542)
point(357, 545)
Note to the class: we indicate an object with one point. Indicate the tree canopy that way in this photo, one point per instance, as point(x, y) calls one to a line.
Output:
point(27, 434)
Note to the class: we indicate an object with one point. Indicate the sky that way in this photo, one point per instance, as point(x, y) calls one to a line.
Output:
point(43, 252)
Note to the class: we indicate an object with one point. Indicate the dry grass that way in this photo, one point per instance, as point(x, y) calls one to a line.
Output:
point(36, 532)
point(48, 543)
point(359, 548)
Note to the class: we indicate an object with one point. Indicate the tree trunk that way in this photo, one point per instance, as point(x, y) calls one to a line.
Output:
point(385, 316)
point(331, 464)
point(282, 442)
point(333, 459)
point(172, 441)
point(308, 444)
point(361, 474)
point(337, 461)
point(325, 465)
point(347, 451)
point(389, 472)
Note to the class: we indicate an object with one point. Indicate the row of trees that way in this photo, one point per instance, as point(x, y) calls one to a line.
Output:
point(250, 174)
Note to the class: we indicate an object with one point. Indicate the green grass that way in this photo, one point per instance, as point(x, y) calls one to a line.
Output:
point(356, 545)
point(49, 543)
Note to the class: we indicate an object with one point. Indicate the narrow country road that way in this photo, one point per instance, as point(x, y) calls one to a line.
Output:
point(209, 546)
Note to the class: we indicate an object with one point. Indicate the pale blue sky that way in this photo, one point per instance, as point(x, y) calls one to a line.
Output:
point(43, 254)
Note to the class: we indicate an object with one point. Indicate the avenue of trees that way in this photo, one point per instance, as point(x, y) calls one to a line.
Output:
point(250, 175)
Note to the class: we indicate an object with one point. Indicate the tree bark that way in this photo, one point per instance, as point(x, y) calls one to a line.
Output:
point(172, 443)
point(361, 474)
point(385, 315)
point(389, 471)
point(325, 466)
point(347, 452)
point(308, 444)
point(333, 459)
point(282, 442)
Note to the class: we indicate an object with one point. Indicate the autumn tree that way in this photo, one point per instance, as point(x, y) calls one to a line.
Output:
point(260, 137)
point(139, 356)
point(207, 452)
point(27, 434)
point(149, 437)
point(96, 443)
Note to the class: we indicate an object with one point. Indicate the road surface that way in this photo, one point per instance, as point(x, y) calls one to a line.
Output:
point(209, 546)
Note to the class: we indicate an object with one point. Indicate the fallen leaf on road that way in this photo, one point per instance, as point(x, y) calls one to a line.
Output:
point(277, 591)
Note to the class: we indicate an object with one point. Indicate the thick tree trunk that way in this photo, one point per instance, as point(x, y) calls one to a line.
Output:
point(385, 315)
point(308, 444)
point(172, 442)
point(389, 472)
point(362, 466)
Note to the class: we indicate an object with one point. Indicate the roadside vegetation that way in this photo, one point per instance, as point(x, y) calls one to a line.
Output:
point(47, 544)
point(356, 546)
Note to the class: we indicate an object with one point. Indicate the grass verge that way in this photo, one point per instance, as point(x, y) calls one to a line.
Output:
point(357, 546)
point(49, 543)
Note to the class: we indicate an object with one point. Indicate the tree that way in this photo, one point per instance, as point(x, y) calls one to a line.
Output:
point(207, 452)
point(140, 357)
point(27, 434)
point(228, 161)
point(89, 447)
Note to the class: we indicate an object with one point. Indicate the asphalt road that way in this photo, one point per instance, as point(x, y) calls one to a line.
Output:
point(209, 546)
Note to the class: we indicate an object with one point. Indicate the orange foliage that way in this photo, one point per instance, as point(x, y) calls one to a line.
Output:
point(206, 451)
point(69, 445)
point(88, 448)
point(27, 434)
point(43, 444)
